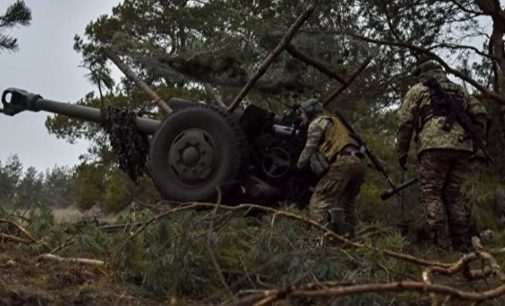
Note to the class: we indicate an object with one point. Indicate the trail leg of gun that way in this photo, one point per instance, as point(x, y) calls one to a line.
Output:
point(390, 192)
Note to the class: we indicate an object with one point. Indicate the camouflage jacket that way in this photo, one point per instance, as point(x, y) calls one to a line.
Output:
point(430, 134)
point(327, 135)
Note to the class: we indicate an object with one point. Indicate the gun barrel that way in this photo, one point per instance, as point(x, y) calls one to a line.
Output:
point(17, 100)
point(86, 113)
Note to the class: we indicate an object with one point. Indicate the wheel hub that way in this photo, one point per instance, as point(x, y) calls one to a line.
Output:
point(191, 156)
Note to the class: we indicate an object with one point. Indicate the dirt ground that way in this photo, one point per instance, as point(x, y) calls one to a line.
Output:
point(27, 280)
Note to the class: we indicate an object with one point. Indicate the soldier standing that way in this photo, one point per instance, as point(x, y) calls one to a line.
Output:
point(333, 154)
point(448, 125)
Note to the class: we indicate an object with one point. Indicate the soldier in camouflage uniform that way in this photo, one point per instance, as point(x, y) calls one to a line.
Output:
point(443, 155)
point(329, 141)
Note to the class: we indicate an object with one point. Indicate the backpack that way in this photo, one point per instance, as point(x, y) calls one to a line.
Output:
point(450, 105)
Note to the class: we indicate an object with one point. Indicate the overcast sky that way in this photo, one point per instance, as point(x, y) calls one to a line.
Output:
point(46, 64)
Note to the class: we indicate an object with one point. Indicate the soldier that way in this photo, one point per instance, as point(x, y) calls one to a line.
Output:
point(447, 124)
point(333, 154)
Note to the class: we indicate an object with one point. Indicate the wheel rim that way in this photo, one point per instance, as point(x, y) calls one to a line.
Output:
point(191, 156)
point(276, 162)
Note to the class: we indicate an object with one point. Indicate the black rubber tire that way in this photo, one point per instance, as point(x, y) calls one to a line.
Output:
point(179, 104)
point(229, 153)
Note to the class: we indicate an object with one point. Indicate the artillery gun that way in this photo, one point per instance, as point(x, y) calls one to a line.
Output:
point(200, 151)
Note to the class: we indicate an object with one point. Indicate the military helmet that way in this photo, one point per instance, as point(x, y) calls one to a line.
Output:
point(312, 107)
point(428, 67)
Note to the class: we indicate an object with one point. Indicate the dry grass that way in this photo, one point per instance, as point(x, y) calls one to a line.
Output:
point(73, 215)
point(67, 215)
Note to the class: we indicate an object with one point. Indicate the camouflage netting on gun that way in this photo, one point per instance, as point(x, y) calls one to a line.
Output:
point(128, 143)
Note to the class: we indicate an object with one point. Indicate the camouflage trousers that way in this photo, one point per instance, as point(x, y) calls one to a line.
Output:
point(442, 174)
point(337, 190)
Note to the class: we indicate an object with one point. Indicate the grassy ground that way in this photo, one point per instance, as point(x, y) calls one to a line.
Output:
point(206, 256)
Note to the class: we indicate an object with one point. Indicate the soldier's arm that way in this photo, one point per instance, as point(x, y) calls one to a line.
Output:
point(315, 135)
point(407, 121)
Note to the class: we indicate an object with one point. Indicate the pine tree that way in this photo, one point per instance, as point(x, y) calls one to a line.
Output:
point(16, 14)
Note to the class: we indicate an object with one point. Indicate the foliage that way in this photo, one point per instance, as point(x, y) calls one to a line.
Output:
point(171, 259)
point(16, 14)
point(10, 174)
point(22, 188)
point(108, 188)
point(89, 185)
point(84, 186)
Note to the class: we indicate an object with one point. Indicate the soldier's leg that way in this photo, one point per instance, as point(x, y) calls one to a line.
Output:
point(458, 214)
point(356, 173)
point(432, 171)
point(327, 192)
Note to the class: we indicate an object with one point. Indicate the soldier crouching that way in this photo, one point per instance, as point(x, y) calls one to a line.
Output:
point(333, 154)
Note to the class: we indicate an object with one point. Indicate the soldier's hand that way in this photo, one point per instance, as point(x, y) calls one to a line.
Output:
point(301, 165)
point(402, 160)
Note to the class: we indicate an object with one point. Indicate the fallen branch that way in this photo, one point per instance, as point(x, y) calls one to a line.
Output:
point(337, 290)
point(212, 255)
point(402, 286)
point(85, 261)
point(68, 242)
point(25, 232)
point(488, 258)
point(12, 238)
point(268, 297)
point(458, 266)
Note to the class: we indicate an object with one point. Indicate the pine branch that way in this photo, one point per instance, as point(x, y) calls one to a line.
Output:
point(17, 13)
point(8, 43)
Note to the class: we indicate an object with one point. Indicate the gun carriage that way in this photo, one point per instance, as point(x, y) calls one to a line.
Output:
point(199, 150)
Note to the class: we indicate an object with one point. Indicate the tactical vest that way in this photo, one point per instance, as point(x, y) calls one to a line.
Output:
point(336, 137)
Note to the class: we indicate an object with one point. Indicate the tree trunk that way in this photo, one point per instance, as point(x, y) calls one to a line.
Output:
point(493, 9)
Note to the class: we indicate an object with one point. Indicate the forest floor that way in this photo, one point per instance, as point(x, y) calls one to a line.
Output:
point(182, 255)
point(27, 280)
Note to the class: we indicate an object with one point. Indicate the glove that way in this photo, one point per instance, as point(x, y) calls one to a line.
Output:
point(402, 160)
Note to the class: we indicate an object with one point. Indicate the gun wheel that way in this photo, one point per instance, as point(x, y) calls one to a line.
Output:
point(196, 151)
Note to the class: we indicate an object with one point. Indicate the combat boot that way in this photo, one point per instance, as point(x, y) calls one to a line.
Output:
point(337, 223)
